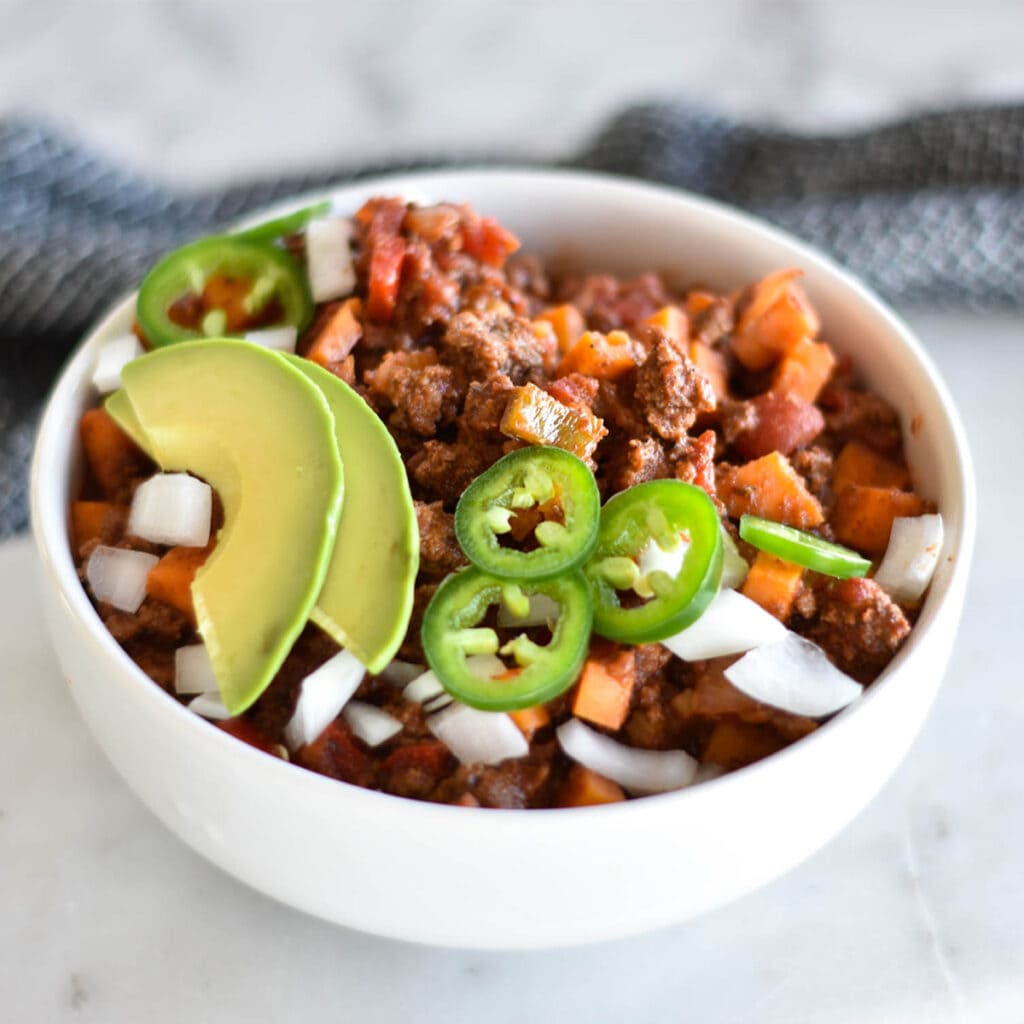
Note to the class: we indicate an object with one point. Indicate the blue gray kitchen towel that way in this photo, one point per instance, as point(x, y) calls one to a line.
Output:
point(929, 210)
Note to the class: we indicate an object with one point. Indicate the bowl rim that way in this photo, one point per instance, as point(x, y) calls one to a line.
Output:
point(50, 529)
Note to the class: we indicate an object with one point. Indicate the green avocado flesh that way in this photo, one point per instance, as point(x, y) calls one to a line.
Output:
point(262, 435)
point(367, 597)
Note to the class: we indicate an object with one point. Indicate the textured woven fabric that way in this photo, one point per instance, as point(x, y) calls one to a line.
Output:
point(929, 210)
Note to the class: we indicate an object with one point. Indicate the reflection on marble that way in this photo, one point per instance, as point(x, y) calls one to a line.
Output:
point(913, 915)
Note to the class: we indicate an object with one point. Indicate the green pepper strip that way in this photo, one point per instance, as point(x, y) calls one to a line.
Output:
point(522, 480)
point(802, 548)
point(273, 272)
point(451, 631)
point(288, 224)
point(670, 514)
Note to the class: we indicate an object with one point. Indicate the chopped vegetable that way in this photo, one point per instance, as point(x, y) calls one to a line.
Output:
point(478, 737)
point(584, 788)
point(172, 508)
point(713, 365)
point(536, 417)
point(731, 624)
point(734, 565)
point(861, 465)
point(209, 705)
point(87, 521)
point(567, 322)
point(531, 720)
point(329, 264)
point(672, 320)
point(371, 724)
point(451, 633)
point(802, 548)
point(773, 583)
point(385, 277)
point(547, 479)
point(672, 514)
point(193, 670)
point(769, 487)
point(864, 516)
point(278, 339)
point(112, 359)
point(401, 673)
point(605, 356)
point(118, 576)
point(911, 557)
point(170, 580)
point(776, 317)
point(323, 693)
point(338, 336)
point(805, 370)
point(287, 224)
point(640, 771)
point(794, 675)
point(222, 285)
point(605, 688)
point(112, 456)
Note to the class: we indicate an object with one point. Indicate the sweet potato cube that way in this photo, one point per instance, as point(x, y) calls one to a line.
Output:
point(534, 416)
point(857, 464)
point(805, 370)
point(863, 516)
point(530, 721)
point(712, 364)
point(672, 320)
point(585, 788)
point(338, 336)
point(698, 301)
point(774, 584)
point(771, 488)
point(170, 580)
point(567, 322)
point(113, 457)
point(87, 521)
point(776, 316)
point(598, 355)
point(605, 688)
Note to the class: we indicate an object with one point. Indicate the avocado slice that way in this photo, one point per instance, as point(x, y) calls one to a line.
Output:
point(366, 599)
point(262, 435)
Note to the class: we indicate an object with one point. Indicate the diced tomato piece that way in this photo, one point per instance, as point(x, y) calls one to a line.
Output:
point(385, 277)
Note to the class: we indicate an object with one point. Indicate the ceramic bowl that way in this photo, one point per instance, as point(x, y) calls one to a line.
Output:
point(525, 879)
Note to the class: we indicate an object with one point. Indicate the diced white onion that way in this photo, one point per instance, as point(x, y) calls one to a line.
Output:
point(209, 705)
point(478, 737)
point(401, 673)
point(372, 725)
point(653, 559)
point(323, 694)
point(119, 577)
point(794, 675)
point(280, 339)
point(115, 355)
point(543, 611)
point(734, 565)
point(640, 771)
point(911, 557)
point(731, 623)
point(193, 670)
point(424, 687)
point(329, 258)
point(172, 508)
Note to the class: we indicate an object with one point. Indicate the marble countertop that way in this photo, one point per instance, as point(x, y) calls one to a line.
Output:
point(914, 914)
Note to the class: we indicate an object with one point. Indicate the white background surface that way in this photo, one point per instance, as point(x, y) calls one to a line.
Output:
point(914, 914)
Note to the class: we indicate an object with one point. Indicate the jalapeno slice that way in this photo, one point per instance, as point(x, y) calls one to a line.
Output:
point(174, 304)
point(802, 548)
point(288, 224)
point(452, 630)
point(539, 492)
point(660, 548)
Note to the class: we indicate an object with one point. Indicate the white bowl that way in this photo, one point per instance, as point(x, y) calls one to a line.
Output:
point(512, 879)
